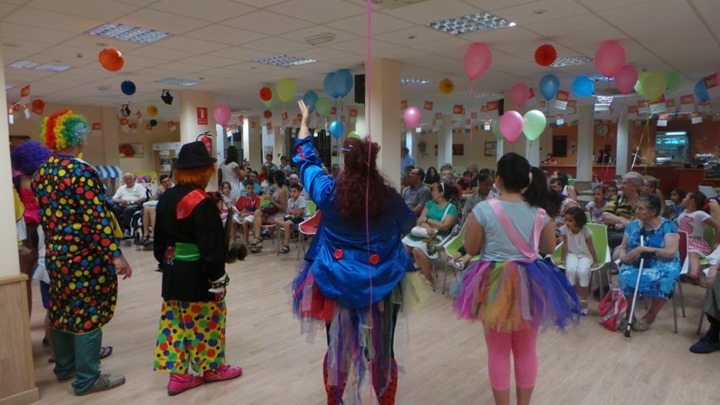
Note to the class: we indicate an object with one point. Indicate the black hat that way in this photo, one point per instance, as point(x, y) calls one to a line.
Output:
point(192, 155)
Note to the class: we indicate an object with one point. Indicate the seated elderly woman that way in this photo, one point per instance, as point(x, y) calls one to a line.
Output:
point(433, 225)
point(661, 260)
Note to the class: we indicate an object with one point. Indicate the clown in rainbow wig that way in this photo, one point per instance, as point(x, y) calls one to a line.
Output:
point(82, 256)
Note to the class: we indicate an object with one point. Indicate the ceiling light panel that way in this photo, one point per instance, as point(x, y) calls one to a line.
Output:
point(572, 61)
point(174, 81)
point(481, 21)
point(285, 61)
point(413, 81)
point(128, 33)
point(42, 67)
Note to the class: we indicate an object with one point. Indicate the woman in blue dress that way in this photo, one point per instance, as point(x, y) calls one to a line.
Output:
point(662, 264)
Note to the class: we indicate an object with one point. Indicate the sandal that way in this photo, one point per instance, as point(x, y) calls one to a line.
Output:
point(690, 278)
point(285, 249)
point(105, 351)
point(640, 326)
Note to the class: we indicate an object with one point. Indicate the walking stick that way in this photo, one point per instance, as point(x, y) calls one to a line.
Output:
point(628, 328)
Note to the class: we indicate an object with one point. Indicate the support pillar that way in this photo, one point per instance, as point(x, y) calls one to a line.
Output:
point(252, 143)
point(623, 142)
point(191, 116)
point(585, 142)
point(444, 141)
point(382, 109)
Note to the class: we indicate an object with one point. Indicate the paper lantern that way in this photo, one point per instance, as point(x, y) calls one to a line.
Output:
point(128, 87)
point(111, 59)
point(152, 110)
point(267, 114)
point(446, 86)
point(545, 55)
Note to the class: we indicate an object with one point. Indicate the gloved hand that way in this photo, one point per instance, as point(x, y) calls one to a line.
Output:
point(217, 287)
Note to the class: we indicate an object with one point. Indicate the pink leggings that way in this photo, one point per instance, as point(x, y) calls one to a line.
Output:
point(522, 344)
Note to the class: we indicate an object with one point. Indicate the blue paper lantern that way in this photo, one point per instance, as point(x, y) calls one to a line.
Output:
point(337, 129)
point(582, 86)
point(549, 86)
point(128, 88)
point(153, 122)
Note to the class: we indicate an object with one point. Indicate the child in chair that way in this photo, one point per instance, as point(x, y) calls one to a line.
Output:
point(578, 253)
point(297, 212)
point(693, 221)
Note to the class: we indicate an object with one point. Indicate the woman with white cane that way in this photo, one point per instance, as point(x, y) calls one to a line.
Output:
point(650, 262)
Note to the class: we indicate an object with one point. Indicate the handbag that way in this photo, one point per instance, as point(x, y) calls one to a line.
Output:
point(612, 306)
point(270, 209)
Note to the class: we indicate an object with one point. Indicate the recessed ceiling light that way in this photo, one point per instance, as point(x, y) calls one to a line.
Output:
point(174, 81)
point(128, 33)
point(8, 87)
point(572, 61)
point(477, 94)
point(285, 61)
point(43, 67)
point(320, 39)
point(538, 12)
point(413, 81)
point(103, 87)
point(481, 21)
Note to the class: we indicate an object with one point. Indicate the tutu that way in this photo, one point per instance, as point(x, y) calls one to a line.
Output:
point(515, 295)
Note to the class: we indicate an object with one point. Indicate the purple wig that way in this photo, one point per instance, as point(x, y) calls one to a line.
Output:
point(28, 156)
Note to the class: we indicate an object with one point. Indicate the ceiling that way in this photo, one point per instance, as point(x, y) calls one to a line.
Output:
point(218, 42)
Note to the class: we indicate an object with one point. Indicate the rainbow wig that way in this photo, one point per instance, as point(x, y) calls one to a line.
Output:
point(28, 156)
point(63, 130)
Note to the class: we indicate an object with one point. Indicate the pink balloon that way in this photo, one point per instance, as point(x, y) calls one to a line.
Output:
point(478, 59)
point(519, 94)
point(609, 58)
point(511, 124)
point(412, 117)
point(222, 114)
point(626, 78)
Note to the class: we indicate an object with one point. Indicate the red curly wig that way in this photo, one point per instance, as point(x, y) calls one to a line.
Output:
point(360, 174)
point(198, 177)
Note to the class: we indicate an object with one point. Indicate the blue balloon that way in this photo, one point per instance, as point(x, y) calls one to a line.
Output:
point(337, 129)
point(701, 92)
point(583, 87)
point(342, 82)
point(329, 85)
point(127, 87)
point(310, 98)
point(549, 86)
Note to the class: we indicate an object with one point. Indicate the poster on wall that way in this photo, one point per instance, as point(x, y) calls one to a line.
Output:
point(491, 148)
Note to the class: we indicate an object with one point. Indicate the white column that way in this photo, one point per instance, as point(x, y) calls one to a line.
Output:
point(585, 142)
point(444, 141)
point(382, 105)
point(623, 142)
point(252, 143)
point(190, 120)
point(8, 249)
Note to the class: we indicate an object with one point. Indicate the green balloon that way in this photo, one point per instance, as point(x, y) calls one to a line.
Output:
point(534, 123)
point(638, 85)
point(672, 81)
point(322, 106)
point(653, 85)
point(495, 127)
point(353, 134)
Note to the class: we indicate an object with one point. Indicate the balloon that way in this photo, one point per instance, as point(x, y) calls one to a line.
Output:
point(128, 88)
point(545, 55)
point(329, 85)
point(266, 94)
point(609, 58)
point(322, 106)
point(310, 98)
point(701, 91)
point(152, 110)
point(273, 97)
point(412, 117)
point(672, 81)
point(495, 128)
point(342, 83)
point(511, 125)
point(626, 78)
point(534, 123)
point(286, 89)
point(153, 122)
point(638, 85)
point(446, 86)
point(267, 114)
point(652, 85)
point(222, 114)
point(478, 59)
point(111, 59)
point(337, 128)
point(519, 94)
point(353, 134)
point(582, 86)
point(549, 86)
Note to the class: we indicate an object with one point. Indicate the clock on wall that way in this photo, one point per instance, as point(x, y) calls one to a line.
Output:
point(601, 130)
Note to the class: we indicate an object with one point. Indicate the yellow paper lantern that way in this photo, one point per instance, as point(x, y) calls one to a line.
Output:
point(152, 110)
point(446, 86)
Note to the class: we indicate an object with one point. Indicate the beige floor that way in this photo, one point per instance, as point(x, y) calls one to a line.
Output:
point(444, 358)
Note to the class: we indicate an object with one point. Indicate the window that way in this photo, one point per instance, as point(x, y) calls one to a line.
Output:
point(559, 146)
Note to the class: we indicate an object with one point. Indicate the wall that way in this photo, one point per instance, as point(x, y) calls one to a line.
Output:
point(160, 133)
point(473, 145)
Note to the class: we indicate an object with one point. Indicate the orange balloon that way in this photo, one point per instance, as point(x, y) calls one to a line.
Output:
point(446, 86)
point(111, 59)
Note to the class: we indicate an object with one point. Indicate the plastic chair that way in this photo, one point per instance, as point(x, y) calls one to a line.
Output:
point(308, 228)
point(312, 207)
point(451, 247)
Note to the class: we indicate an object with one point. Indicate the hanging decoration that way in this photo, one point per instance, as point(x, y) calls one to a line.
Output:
point(545, 55)
point(446, 86)
point(222, 114)
point(267, 114)
point(609, 58)
point(111, 59)
point(582, 86)
point(519, 94)
point(534, 123)
point(549, 86)
point(286, 89)
point(626, 78)
point(477, 61)
point(412, 116)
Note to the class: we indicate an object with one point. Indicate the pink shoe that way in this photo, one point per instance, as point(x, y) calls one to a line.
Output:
point(223, 373)
point(183, 382)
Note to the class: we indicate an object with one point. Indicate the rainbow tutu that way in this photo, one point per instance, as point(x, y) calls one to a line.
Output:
point(515, 295)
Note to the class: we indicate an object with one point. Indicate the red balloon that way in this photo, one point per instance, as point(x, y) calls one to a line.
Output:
point(267, 114)
point(265, 94)
point(111, 59)
point(545, 55)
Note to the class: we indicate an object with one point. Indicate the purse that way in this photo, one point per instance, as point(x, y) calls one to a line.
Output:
point(270, 209)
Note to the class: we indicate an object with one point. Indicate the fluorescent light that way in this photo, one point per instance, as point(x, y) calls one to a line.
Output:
point(174, 81)
point(42, 67)
point(128, 33)
point(285, 61)
point(481, 21)
point(472, 93)
point(413, 81)
point(598, 78)
point(572, 61)
point(8, 87)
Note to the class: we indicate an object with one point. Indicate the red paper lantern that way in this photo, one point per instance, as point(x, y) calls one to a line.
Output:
point(38, 106)
point(545, 55)
point(265, 94)
point(267, 114)
point(111, 59)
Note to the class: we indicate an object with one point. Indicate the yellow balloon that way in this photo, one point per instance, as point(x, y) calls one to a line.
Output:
point(286, 89)
point(152, 110)
point(446, 86)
